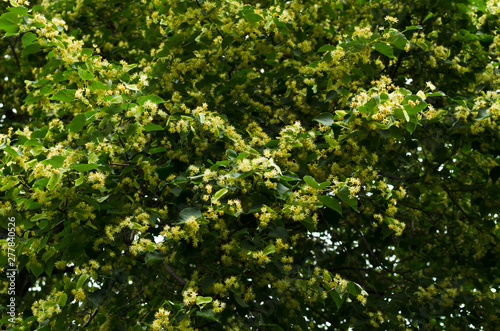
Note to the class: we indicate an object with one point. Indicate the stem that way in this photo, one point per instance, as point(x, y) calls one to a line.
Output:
point(15, 54)
point(91, 317)
point(178, 278)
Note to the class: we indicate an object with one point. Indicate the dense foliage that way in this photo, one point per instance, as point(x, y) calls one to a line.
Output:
point(244, 165)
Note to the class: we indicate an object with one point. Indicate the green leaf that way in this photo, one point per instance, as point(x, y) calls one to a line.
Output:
point(436, 94)
point(54, 180)
point(328, 9)
point(252, 17)
point(56, 161)
point(9, 22)
point(38, 217)
point(62, 300)
point(413, 27)
point(67, 95)
point(240, 301)
point(84, 167)
point(157, 150)
point(410, 127)
point(77, 123)
point(326, 48)
point(37, 268)
point(153, 127)
point(203, 300)
point(269, 250)
point(81, 281)
point(482, 113)
point(219, 195)
point(84, 74)
point(343, 194)
point(336, 298)
point(353, 288)
point(282, 28)
point(28, 38)
point(186, 213)
point(31, 49)
point(153, 98)
point(311, 182)
point(48, 254)
point(10, 150)
point(398, 39)
point(21, 11)
point(331, 203)
point(308, 224)
point(384, 49)
point(325, 119)
point(209, 314)
point(154, 257)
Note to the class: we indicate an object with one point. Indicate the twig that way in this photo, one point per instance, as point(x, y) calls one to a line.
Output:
point(178, 278)
point(22, 182)
point(91, 317)
point(456, 203)
point(14, 52)
point(120, 164)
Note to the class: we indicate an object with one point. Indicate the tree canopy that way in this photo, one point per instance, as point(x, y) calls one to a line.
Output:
point(251, 165)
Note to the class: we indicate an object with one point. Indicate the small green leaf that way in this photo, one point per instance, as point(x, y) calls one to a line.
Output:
point(56, 161)
point(410, 127)
point(21, 11)
point(77, 123)
point(186, 213)
point(209, 314)
point(282, 28)
point(398, 39)
point(331, 203)
point(66, 95)
point(311, 182)
point(269, 250)
point(336, 298)
point(31, 49)
point(54, 180)
point(84, 167)
point(436, 94)
point(85, 74)
point(384, 49)
point(328, 9)
point(219, 195)
point(9, 150)
point(37, 268)
point(413, 27)
point(153, 98)
point(153, 257)
point(28, 38)
point(62, 300)
point(9, 22)
point(325, 119)
point(153, 127)
point(81, 281)
point(344, 195)
point(157, 150)
point(240, 301)
point(38, 217)
point(326, 48)
point(203, 300)
point(252, 17)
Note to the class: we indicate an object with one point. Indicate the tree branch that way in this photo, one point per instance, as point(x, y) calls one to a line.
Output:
point(91, 317)
point(178, 278)
point(15, 54)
